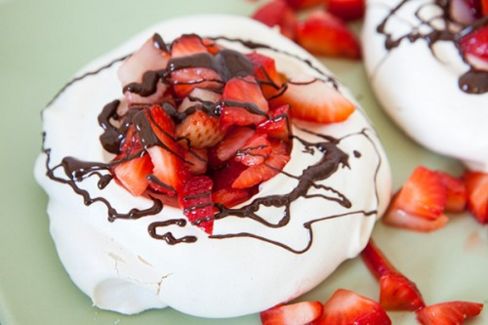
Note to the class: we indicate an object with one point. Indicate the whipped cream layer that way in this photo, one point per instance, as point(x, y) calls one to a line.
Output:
point(248, 264)
point(419, 87)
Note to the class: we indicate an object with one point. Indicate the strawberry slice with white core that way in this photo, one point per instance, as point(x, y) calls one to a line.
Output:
point(269, 168)
point(456, 192)
point(293, 314)
point(200, 130)
point(187, 45)
point(346, 9)
point(278, 13)
point(265, 72)
point(420, 204)
point(197, 97)
point(234, 140)
point(347, 308)
point(278, 125)
point(323, 34)
point(315, 101)
point(244, 103)
point(196, 200)
point(196, 161)
point(397, 292)
point(448, 313)
point(477, 187)
point(132, 174)
point(255, 151)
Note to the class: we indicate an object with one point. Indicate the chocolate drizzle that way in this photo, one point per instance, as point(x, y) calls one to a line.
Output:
point(473, 81)
point(227, 64)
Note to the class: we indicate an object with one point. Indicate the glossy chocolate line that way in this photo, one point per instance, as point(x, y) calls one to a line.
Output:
point(473, 81)
point(168, 237)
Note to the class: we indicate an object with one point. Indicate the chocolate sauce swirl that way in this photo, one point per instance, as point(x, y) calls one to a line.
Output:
point(228, 64)
point(473, 81)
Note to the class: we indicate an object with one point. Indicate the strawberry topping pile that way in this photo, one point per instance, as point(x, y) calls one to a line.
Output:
point(204, 126)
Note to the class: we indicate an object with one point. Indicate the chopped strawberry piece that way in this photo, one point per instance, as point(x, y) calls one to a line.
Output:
point(475, 44)
point(234, 140)
point(225, 176)
point(196, 161)
point(477, 187)
point(324, 34)
point(303, 4)
point(200, 130)
point(299, 313)
point(278, 13)
point(230, 197)
point(211, 46)
point(456, 192)
point(397, 292)
point(197, 204)
point(270, 167)
point(244, 103)
point(267, 75)
point(402, 219)
point(278, 125)
point(167, 156)
point(315, 102)
point(197, 97)
point(186, 45)
point(346, 308)
point(423, 194)
point(453, 312)
point(131, 144)
point(484, 8)
point(346, 9)
point(256, 150)
point(132, 174)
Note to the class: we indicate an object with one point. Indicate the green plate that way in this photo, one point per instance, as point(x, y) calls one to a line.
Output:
point(42, 43)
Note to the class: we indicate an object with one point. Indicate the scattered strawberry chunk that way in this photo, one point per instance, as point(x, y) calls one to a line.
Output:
point(230, 197)
point(270, 167)
point(225, 176)
point(420, 203)
point(448, 313)
point(475, 47)
point(303, 4)
point(234, 140)
point(200, 130)
point(132, 174)
point(256, 150)
point(397, 292)
point(315, 102)
point(477, 188)
point(324, 34)
point(456, 192)
point(265, 71)
point(196, 161)
point(244, 103)
point(278, 13)
point(346, 308)
point(293, 314)
point(278, 125)
point(346, 9)
point(197, 204)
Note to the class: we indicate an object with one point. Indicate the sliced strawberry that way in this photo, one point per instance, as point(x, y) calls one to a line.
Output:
point(270, 167)
point(278, 125)
point(278, 13)
point(200, 130)
point(212, 47)
point(346, 308)
point(484, 8)
point(456, 192)
point(185, 80)
point(397, 292)
point(131, 144)
point(402, 219)
point(230, 197)
point(267, 75)
point(324, 34)
point(303, 4)
point(255, 151)
point(196, 161)
point(423, 194)
point(167, 156)
point(448, 313)
point(197, 97)
point(197, 204)
point(132, 174)
point(315, 102)
point(346, 9)
point(475, 46)
point(225, 176)
point(299, 313)
point(234, 140)
point(477, 187)
point(244, 103)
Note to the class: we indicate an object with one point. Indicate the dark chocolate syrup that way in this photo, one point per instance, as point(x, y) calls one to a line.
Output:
point(473, 81)
point(228, 64)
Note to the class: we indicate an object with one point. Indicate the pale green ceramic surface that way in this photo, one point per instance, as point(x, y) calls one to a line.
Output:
point(42, 43)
